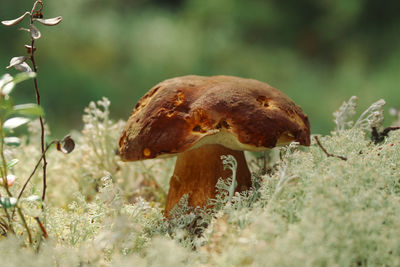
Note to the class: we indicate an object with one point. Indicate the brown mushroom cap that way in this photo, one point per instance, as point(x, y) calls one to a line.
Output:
point(185, 112)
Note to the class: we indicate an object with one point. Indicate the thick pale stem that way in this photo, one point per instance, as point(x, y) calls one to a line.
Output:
point(197, 172)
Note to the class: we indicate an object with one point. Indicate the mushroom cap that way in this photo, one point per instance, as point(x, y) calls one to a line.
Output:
point(186, 112)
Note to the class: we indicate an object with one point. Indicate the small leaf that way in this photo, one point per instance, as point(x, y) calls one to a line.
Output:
point(6, 90)
point(6, 84)
point(15, 122)
point(12, 141)
point(20, 77)
point(35, 33)
point(50, 22)
point(16, 61)
point(28, 109)
point(6, 78)
point(15, 21)
point(66, 145)
point(23, 67)
point(8, 202)
point(12, 163)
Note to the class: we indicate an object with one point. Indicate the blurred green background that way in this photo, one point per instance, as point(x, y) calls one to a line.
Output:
point(319, 52)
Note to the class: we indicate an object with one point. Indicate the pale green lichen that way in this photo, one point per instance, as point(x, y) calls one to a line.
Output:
point(371, 117)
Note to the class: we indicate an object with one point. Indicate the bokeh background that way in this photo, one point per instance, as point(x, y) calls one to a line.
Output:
point(319, 52)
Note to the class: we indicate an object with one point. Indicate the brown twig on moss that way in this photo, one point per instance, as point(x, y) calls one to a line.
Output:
point(326, 152)
point(41, 227)
point(34, 170)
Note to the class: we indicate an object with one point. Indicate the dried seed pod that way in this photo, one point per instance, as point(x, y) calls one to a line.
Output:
point(23, 67)
point(35, 33)
point(50, 22)
point(29, 49)
point(66, 145)
point(16, 61)
point(15, 21)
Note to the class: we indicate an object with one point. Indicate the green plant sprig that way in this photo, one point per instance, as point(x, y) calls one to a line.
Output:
point(19, 63)
point(8, 109)
point(9, 120)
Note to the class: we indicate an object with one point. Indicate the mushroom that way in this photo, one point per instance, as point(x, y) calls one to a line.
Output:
point(201, 118)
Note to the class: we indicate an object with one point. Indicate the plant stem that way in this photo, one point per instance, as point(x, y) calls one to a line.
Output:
point(25, 224)
point(41, 227)
point(326, 152)
point(34, 170)
point(4, 173)
point(23, 189)
point(32, 58)
point(4, 170)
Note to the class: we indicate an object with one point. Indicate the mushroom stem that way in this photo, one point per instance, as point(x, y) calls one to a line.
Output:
point(197, 172)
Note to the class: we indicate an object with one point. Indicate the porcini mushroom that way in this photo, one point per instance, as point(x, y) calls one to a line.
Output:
point(201, 118)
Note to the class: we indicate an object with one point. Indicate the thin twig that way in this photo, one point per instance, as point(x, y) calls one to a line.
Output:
point(4, 174)
point(32, 58)
point(28, 231)
point(4, 227)
point(34, 170)
point(3, 159)
point(10, 195)
point(41, 227)
point(9, 219)
point(326, 152)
